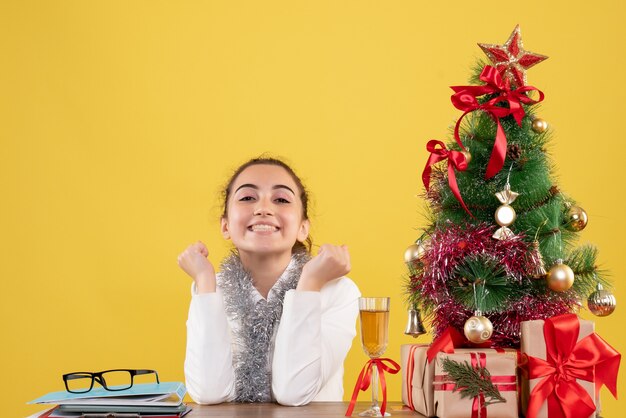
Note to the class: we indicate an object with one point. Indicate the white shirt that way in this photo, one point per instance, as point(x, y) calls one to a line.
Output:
point(310, 345)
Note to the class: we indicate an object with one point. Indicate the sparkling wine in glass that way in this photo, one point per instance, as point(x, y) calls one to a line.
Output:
point(374, 313)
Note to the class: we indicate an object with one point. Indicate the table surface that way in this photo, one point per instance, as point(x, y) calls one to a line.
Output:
point(314, 409)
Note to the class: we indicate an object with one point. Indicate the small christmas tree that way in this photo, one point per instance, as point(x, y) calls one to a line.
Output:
point(499, 248)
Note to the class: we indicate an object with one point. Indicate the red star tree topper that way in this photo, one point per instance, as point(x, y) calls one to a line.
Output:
point(511, 59)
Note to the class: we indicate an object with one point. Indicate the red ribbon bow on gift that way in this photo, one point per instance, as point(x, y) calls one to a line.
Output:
point(365, 378)
point(591, 359)
point(466, 99)
point(456, 161)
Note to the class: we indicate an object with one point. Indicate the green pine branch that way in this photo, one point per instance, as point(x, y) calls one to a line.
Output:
point(471, 382)
point(582, 261)
point(477, 68)
point(481, 282)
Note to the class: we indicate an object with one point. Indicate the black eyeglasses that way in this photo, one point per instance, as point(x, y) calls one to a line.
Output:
point(115, 379)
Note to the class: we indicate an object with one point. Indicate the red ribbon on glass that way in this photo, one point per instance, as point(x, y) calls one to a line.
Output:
point(591, 359)
point(365, 378)
point(465, 98)
point(451, 339)
point(456, 161)
point(502, 383)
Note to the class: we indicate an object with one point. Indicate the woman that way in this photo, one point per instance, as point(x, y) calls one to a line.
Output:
point(275, 324)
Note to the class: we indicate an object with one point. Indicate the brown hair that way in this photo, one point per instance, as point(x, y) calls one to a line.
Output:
point(304, 195)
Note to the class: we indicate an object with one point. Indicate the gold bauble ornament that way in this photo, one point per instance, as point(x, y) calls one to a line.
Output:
point(478, 328)
point(468, 156)
point(601, 302)
point(539, 125)
point(576, 218)
point(414, 251)
point(560, 277)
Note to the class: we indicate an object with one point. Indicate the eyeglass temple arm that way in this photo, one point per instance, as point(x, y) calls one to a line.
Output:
point(145, 371)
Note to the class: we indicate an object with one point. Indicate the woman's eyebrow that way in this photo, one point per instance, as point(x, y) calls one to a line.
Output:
point(254, 186)
point(282, 186)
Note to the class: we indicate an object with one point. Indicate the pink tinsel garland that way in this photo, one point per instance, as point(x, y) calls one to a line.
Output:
point(451, 245)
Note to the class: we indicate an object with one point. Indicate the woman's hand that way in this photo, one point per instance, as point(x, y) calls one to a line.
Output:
point(330, 263)
point(195, 263)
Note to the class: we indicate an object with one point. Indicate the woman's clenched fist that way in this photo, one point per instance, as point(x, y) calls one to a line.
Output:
point(195, 263)
point(330, 263)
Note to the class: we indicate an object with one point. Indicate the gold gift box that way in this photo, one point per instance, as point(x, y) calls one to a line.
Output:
point(418, 375)
point(533, 344)
point(448, 403)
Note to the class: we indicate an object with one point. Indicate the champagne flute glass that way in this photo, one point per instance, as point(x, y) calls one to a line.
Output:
point(374, 313)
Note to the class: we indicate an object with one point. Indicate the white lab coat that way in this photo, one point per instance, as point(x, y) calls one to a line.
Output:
point(310, 345)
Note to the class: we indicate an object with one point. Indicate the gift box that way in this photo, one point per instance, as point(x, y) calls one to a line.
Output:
point(418, 374)
point(417, 378)
point(567, 362)
point(448, 400)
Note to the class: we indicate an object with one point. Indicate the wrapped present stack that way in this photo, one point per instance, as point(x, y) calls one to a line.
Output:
point(496, 272)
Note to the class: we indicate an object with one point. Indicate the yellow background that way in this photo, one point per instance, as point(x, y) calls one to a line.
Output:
point(120, 121)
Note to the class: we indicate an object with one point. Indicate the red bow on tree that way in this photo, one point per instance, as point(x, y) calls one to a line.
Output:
point(456, 161)
point(591, 359)
point(466, 99)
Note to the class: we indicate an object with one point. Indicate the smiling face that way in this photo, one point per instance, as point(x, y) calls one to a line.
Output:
point(264, 211)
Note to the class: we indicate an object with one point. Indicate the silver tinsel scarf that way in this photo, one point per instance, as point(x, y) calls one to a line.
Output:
point(257, 321)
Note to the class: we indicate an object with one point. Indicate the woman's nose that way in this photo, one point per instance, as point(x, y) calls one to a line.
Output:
point(263, 207)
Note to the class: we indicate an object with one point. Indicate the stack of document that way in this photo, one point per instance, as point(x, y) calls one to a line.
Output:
point(141, 400)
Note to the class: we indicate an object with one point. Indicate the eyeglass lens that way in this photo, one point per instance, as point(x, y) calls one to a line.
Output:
point(79, 382)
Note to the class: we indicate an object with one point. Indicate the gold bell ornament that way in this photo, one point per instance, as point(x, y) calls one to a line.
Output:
point(539, 267)
point(478, 328)
point(505, 214)
point(601, 302)
point(414, 326)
